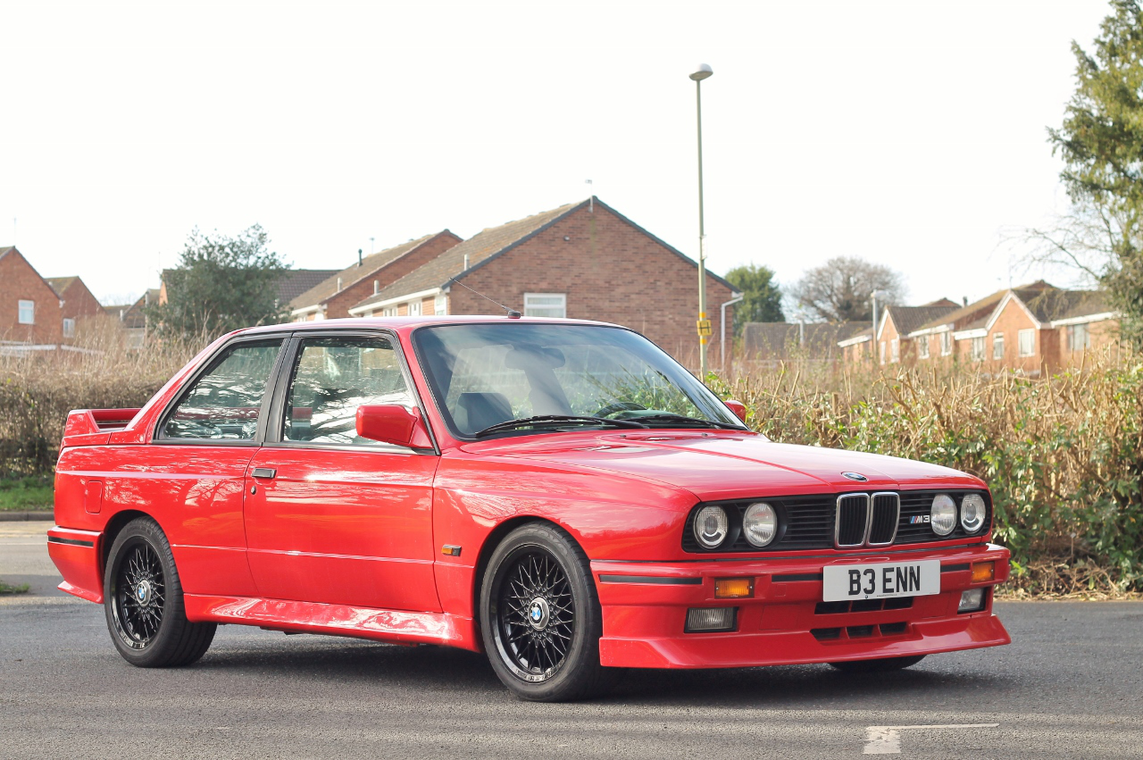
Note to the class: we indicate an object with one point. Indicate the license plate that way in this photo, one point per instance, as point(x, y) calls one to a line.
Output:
point(881, 581)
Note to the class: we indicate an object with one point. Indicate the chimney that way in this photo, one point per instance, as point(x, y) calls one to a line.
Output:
point(965, 299)
point(339, 284)
point(465, 263)
point(376, 287)
point(359, 262)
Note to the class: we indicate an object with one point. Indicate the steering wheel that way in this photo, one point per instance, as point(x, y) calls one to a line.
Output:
point(618, 406)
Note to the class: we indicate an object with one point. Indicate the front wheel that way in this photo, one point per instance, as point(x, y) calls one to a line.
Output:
point(143, 601)
point(540, 617)
point(883, 665)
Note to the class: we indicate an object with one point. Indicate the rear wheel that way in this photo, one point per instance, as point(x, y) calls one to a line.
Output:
point(540, 617)
point(143, 601)
point(878, 666)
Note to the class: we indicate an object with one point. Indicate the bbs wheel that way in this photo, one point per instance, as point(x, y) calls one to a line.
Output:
point(143, 601)
point(540, 618)
point(878, 666)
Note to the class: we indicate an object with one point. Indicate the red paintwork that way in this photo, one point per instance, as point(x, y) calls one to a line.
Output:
point(348, 540)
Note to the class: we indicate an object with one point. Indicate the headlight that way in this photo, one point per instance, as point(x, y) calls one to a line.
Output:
point(943, 515)
point(760, 524)
point(711, 527)
point(972, 513)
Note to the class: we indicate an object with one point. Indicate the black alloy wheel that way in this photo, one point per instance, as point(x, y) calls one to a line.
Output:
point(540, 617)
point(143, 601)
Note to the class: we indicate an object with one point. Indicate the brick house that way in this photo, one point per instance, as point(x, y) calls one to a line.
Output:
point(332, 297)
point(1033, 330)
point(77, 305)
point(30, 311)
point(582, 261)
point(894, 343)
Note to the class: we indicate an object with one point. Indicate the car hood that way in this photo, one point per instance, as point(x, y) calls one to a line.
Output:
point(720, 465)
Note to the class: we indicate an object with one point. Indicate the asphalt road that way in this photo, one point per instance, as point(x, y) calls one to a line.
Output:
point(1070, 686)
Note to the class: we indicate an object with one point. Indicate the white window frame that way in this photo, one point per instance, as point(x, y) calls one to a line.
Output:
point(389, 311)
point(26, 312)
point(68, 327)
point(552, 305)
point(1084, 335)
point(895, 350)
point(923, 347)
point(946, 343)
point(881, 351)
point(1026, 340)
point(440, 305)
point(414, 309)
point(998, 345)
point(976, 349)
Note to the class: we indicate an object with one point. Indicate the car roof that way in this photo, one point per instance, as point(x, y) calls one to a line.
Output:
point(407, 324)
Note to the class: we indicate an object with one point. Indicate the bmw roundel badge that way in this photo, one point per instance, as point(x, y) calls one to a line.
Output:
point(855, 476)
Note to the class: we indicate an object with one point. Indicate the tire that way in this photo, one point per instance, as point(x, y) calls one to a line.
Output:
point(143, 601)
point(884, 665)
point(540, 618)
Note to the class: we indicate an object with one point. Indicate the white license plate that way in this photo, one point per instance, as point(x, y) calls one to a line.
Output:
point(881, 581)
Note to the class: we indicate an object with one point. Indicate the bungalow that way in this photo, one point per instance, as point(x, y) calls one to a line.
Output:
point(583, 260)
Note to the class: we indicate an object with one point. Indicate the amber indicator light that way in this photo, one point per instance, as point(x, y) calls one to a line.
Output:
point(983, 571)
point(733, 588)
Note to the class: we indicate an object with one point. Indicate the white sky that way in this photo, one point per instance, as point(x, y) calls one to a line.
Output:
point(911, 133)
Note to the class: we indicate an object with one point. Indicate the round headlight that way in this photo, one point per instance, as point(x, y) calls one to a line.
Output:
point(760, 524)
point(972, 512)
point(711, 526)
point(943, 515)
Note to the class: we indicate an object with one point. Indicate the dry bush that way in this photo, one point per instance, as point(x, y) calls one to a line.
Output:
point(1062, 455)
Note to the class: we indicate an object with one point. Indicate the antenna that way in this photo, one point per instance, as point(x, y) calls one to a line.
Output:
point(512, 313)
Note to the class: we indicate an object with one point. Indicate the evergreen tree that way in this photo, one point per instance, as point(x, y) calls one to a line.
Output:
point(762, 299)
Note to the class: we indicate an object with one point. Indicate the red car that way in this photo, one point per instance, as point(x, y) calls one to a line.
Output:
point(561, 495)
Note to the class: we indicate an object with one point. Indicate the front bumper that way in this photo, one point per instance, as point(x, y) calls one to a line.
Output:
point(645, 607)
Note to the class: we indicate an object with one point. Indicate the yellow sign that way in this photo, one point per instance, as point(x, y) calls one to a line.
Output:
point(704, 329)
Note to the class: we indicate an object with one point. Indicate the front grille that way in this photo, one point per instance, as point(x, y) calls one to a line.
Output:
point(859, 631)
point(828, 521)
point(863, 605)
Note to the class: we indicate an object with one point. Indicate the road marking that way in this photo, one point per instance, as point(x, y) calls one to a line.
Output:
point(886, 740)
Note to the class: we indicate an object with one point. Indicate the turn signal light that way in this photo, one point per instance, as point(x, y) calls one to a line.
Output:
point(983, 571)
point(733, 588)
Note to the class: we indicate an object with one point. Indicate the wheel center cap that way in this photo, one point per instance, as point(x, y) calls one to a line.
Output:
point(143, 592)
point(539, 613)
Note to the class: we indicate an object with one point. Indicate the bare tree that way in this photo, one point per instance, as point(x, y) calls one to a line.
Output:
point(839, 290)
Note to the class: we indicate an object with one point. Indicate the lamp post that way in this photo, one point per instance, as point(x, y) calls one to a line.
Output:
point(702, 73)
point(874, 351)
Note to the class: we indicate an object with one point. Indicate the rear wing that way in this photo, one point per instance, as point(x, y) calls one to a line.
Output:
point(86, 427)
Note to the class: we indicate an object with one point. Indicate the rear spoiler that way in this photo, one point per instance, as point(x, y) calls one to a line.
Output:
point(92, 426)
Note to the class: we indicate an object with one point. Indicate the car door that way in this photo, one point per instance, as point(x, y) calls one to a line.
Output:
point(192, 476)
point(332, 517)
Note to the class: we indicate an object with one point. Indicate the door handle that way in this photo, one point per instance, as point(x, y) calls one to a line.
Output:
point(264, 472)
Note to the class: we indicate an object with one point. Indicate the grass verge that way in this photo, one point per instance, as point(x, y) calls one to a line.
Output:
point(7, 588)
point(28, 494)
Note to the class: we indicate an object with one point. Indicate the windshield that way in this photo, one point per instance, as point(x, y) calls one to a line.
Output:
point(483, 376)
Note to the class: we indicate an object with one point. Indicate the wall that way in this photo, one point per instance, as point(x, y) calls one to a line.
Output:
point(19, 281)
point(610, 271)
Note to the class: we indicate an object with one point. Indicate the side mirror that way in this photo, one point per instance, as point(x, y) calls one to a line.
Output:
point(392, 423)
point(738, 408)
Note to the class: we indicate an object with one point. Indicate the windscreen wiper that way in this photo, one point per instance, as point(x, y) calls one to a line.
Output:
point(556, 421)
point(683, 421)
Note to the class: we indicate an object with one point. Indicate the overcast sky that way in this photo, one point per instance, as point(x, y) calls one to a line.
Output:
point(911, 134)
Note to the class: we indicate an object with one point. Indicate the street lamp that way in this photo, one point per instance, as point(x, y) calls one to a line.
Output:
point(702, 73)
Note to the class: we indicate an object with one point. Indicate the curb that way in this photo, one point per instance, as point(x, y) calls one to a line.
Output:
point(20, 516)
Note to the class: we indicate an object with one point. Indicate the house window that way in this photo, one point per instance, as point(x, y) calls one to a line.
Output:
point(1027, 341)
point(882, 348)
point(389, 311)
point(27, 312)
point(977, 349)
point(998, 346)
point(946, 343)
point(440, 305)
point(545, 305)
point(415, 309)
point(923, 347)
point(69, 328)
point(895, 350)
point(1078, 338)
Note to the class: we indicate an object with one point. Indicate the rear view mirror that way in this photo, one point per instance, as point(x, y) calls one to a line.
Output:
point(738, 408)
point(392, 423)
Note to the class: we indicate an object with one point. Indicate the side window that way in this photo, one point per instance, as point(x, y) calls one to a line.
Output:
point(226, 401)
point(334, 376)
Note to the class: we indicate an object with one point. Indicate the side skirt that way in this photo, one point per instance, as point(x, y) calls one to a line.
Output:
point(396, 626)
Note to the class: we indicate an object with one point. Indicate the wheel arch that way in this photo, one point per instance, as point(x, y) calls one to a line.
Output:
point(112, 530)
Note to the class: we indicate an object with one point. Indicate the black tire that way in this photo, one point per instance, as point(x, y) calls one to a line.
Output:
point(143, 601)
point(883, 665)
point(540, 618)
